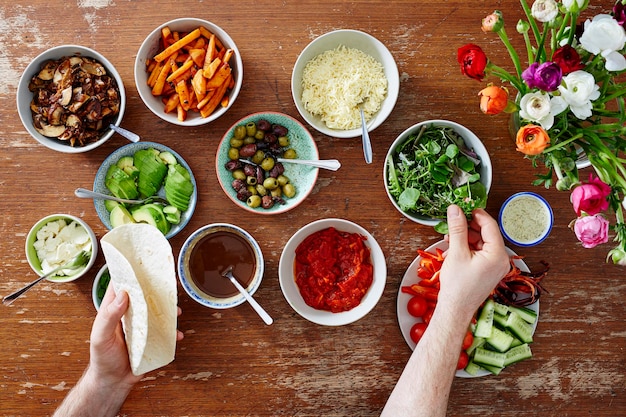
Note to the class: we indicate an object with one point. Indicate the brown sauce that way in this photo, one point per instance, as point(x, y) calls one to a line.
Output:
point(213, 254)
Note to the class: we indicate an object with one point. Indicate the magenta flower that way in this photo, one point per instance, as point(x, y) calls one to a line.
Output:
point(619, 13)
point(546, 76)
point(592, 230)
point(591, 198)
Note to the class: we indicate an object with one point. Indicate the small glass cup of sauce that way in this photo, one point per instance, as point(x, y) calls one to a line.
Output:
point(525, 219)
point(207, 253)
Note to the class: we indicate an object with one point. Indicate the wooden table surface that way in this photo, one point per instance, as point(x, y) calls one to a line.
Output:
point(229, 363)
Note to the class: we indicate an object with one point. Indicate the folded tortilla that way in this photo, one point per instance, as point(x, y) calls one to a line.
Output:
point(141, 262)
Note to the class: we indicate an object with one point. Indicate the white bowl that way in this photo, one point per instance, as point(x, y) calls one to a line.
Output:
point(25, 96)
point(350, 39)
point(292, 293)
point(35, 262)
point(525, 219)
point(303, 177)
point(471, 140)
point(190, 286)
point(150, 47)
point(97, 294)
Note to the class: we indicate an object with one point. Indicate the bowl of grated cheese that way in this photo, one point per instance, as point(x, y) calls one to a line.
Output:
point(337, 73)
point(56, 239)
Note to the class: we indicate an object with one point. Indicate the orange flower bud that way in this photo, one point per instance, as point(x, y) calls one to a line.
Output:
point(493, 100)
point(532, 140)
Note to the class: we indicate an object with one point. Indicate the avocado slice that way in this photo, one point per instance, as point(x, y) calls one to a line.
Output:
point(153, 215)
point(119, 215)
point(152, 171)
point(178, 187)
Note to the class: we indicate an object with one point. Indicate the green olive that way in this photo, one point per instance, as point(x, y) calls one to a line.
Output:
point(282, 180)
point(238, 174)
point(289, 190)
point(240, 132)
point(254, 201)
point(258, 157)
point(290, 154)
point(267, 164)
point(233, 153)
point(250, 180)
point(252, 189)
point(236, 143)
point(261, 189)
point(270, 183)
point(283, 141)
point(276, 192)
point(248, 140)
point(259, 135)
point(250, 129)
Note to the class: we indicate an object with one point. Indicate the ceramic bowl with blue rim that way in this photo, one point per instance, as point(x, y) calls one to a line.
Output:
point(302, 177)
point(130, 150)
point(525, 219)
point(200, 268)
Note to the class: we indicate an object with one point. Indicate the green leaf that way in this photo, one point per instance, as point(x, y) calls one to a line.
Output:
point(408, 199)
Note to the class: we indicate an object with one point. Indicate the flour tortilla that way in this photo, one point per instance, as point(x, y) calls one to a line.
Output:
point(141, 262)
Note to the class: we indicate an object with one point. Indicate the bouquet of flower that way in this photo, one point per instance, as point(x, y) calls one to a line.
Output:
point(569, 105)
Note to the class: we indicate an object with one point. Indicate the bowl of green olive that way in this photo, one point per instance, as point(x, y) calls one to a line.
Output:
point(253, 163)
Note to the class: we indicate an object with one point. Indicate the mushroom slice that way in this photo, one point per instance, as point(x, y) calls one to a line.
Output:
point(93, 68)
point(50, 131)
point(47, 72)
point(66, 96)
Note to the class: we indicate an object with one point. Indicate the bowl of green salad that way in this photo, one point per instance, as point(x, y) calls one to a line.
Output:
point(434, 164)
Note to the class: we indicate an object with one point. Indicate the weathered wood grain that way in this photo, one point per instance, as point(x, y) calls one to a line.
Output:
point(229, 363)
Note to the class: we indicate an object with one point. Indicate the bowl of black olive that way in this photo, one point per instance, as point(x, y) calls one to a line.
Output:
point(256, 163)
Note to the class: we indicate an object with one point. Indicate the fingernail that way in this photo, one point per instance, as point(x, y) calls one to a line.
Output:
point(453, 211)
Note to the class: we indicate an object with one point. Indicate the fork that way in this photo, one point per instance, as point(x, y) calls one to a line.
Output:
point(84, 193)
point(75, 263)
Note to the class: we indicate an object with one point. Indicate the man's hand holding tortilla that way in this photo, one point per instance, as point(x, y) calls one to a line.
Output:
point(108, 379)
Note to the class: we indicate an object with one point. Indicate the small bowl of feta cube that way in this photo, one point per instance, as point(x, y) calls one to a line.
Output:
point(55, 240)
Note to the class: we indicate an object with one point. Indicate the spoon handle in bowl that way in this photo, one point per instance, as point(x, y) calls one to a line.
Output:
point(331, 164)
point(256, 306)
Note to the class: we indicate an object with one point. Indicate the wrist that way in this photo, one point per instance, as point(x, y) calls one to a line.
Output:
point(110, 395)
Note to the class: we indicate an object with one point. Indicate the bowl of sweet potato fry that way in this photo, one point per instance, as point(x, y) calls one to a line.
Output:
point(188, 71)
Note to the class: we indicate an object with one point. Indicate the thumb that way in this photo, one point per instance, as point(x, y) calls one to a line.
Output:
point(110, 314)
point(457, 228)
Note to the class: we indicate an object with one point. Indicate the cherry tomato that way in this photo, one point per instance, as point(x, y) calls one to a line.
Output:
point(417, 331)
point(468, 340)
point(463, 360)
point(417, 306)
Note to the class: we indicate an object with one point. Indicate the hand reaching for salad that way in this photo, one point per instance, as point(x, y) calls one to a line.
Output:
point(475, 262)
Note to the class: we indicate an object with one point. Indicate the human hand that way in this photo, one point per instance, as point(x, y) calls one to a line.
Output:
point(109, 361)
point(475, 261)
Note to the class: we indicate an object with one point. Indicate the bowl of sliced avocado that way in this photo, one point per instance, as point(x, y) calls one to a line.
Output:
point(150, 172)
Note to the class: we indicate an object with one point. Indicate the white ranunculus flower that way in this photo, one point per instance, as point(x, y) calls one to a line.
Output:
point(544, 10)
point(574, 5)
point(578, 89)
point(536, 107)
point(604, 35)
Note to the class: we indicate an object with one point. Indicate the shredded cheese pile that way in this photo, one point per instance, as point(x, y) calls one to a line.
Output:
point(335, 82)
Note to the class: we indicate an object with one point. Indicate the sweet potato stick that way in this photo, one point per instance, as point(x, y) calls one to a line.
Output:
point(191, 36)
point(180, 71)
point(220, 76)
point(157, 90)
point(209, 71)
point(215, 100)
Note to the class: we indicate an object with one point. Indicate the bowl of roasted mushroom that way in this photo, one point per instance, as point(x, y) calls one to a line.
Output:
point(68, 97)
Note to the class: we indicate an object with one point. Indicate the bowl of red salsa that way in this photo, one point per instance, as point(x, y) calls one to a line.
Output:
point(332, 272)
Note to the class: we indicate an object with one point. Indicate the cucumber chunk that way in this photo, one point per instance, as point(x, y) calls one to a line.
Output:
point(472, 368)
point(519, 327)
point(529, 316)
point(485, 320)
point(483, 356)
point(517, 354)
point(499, 340)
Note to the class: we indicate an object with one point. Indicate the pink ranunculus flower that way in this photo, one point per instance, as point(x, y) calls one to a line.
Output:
point(591, 198)
point(592, 231)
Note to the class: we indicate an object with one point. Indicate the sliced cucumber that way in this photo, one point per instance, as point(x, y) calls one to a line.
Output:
point(516, 354)
point(483, 356)
point(499, 340)
point(172, 214)
point(501, 309)
point(472, 368)
point(519, 327)
point(500, 319)
point(477, 342)
point(529, 316)
point(493, 369)
point(485, 320)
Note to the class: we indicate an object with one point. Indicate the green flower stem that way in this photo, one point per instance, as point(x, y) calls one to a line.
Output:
point(531, 19)
point(563, 143)
point(541, 49)
point(529, 48)
point(511, 50)
point(505, 75)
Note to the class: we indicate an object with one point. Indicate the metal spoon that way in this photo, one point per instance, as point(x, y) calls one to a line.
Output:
point(133, 137)
point(367, 144)
point(85, 193)
point(78, 261)
point(330, 164)
point(228, 273)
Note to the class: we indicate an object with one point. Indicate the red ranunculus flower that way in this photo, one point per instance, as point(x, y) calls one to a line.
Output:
point(568, 59)
point(473, 61)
